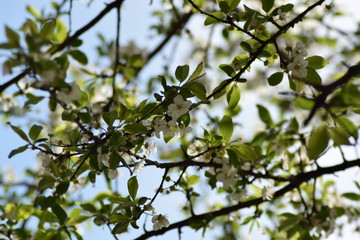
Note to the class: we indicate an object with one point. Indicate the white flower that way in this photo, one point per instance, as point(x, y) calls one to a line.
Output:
point(147, 148)
point(227, 175)
point(288, 45)
point(159, 221)
point(299, 50)
point(112, 173)
point(285, 162)
point(182, 130)
point(238, 195)
point(282, 15)
point(221, 157)
point(150, 208)
point(246, 166)
point(10, 175)
point(79, 183)
point(67, 95)
point(160, 125)
point(178, 108)
point(138, 166)
point(196, 148)
point(268, 192)
point(7, 102)
point(103, 158)
point(298, 67)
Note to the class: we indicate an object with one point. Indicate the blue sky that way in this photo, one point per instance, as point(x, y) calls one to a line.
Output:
point(133, 26)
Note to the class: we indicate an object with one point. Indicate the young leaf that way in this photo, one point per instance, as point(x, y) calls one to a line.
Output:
point(133, 186)
point(226, 127)
point(211, 20)
point(316, 62)
point(19, 132)
point(12, 36)
point(232, 4)
point(233, 96)
point(18, 150)
point(135, 128)
point(246, 153)
point(275, 78)
point(313, 76)
point(228, 69)
point(318, 141)
point(264, 115)
point(79, 56)
point(35, 131)
point(182, 72)
point(267, 5)
point(197, 73)
point(60, 213)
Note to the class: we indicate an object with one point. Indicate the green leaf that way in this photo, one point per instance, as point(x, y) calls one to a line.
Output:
point(226, 127)
point(18, 150)
point(121, 227)
point(275, 78)
point(12, 36)
point(232, 4)
point(182, 72)
point(47, 181)
point(245, 153)
point(264, 115)
point(63, 187)
point(317, 62)
point(60, 213)
point(198, 89)
point(34, 132)
point(19, 132)
point(228, 69)
point(347, 125)
point(76, 220)
point(133, 186)
point(89, 207)
point(211, 20)
point(135, 128)
point(79, 56)
point(197, 73)
point(340, 136)
point(313, 76)
point(351, 196)
point(318, 141)
point(32, 11)
point(224, 7)
point(303, 103)
point(233, 96)
point(193, 179)
point(267, 5)
point(47, 30)
point(110, 117)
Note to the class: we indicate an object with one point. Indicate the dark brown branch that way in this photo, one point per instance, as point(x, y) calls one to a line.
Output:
point(295, 182)
point(326, 90)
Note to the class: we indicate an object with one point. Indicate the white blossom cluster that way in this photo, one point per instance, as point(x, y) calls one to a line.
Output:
point(7, 102)
point(298, 65)
point(171, 128)
point(69, 95)
point(103, 160)
point(159, 221)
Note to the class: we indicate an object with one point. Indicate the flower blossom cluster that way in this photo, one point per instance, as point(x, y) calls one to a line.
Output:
point(171, 128)
point(298, 65)
point(69, 95)
point(104, 160)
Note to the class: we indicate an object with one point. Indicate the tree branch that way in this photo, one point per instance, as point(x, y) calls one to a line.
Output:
point(295, 182)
